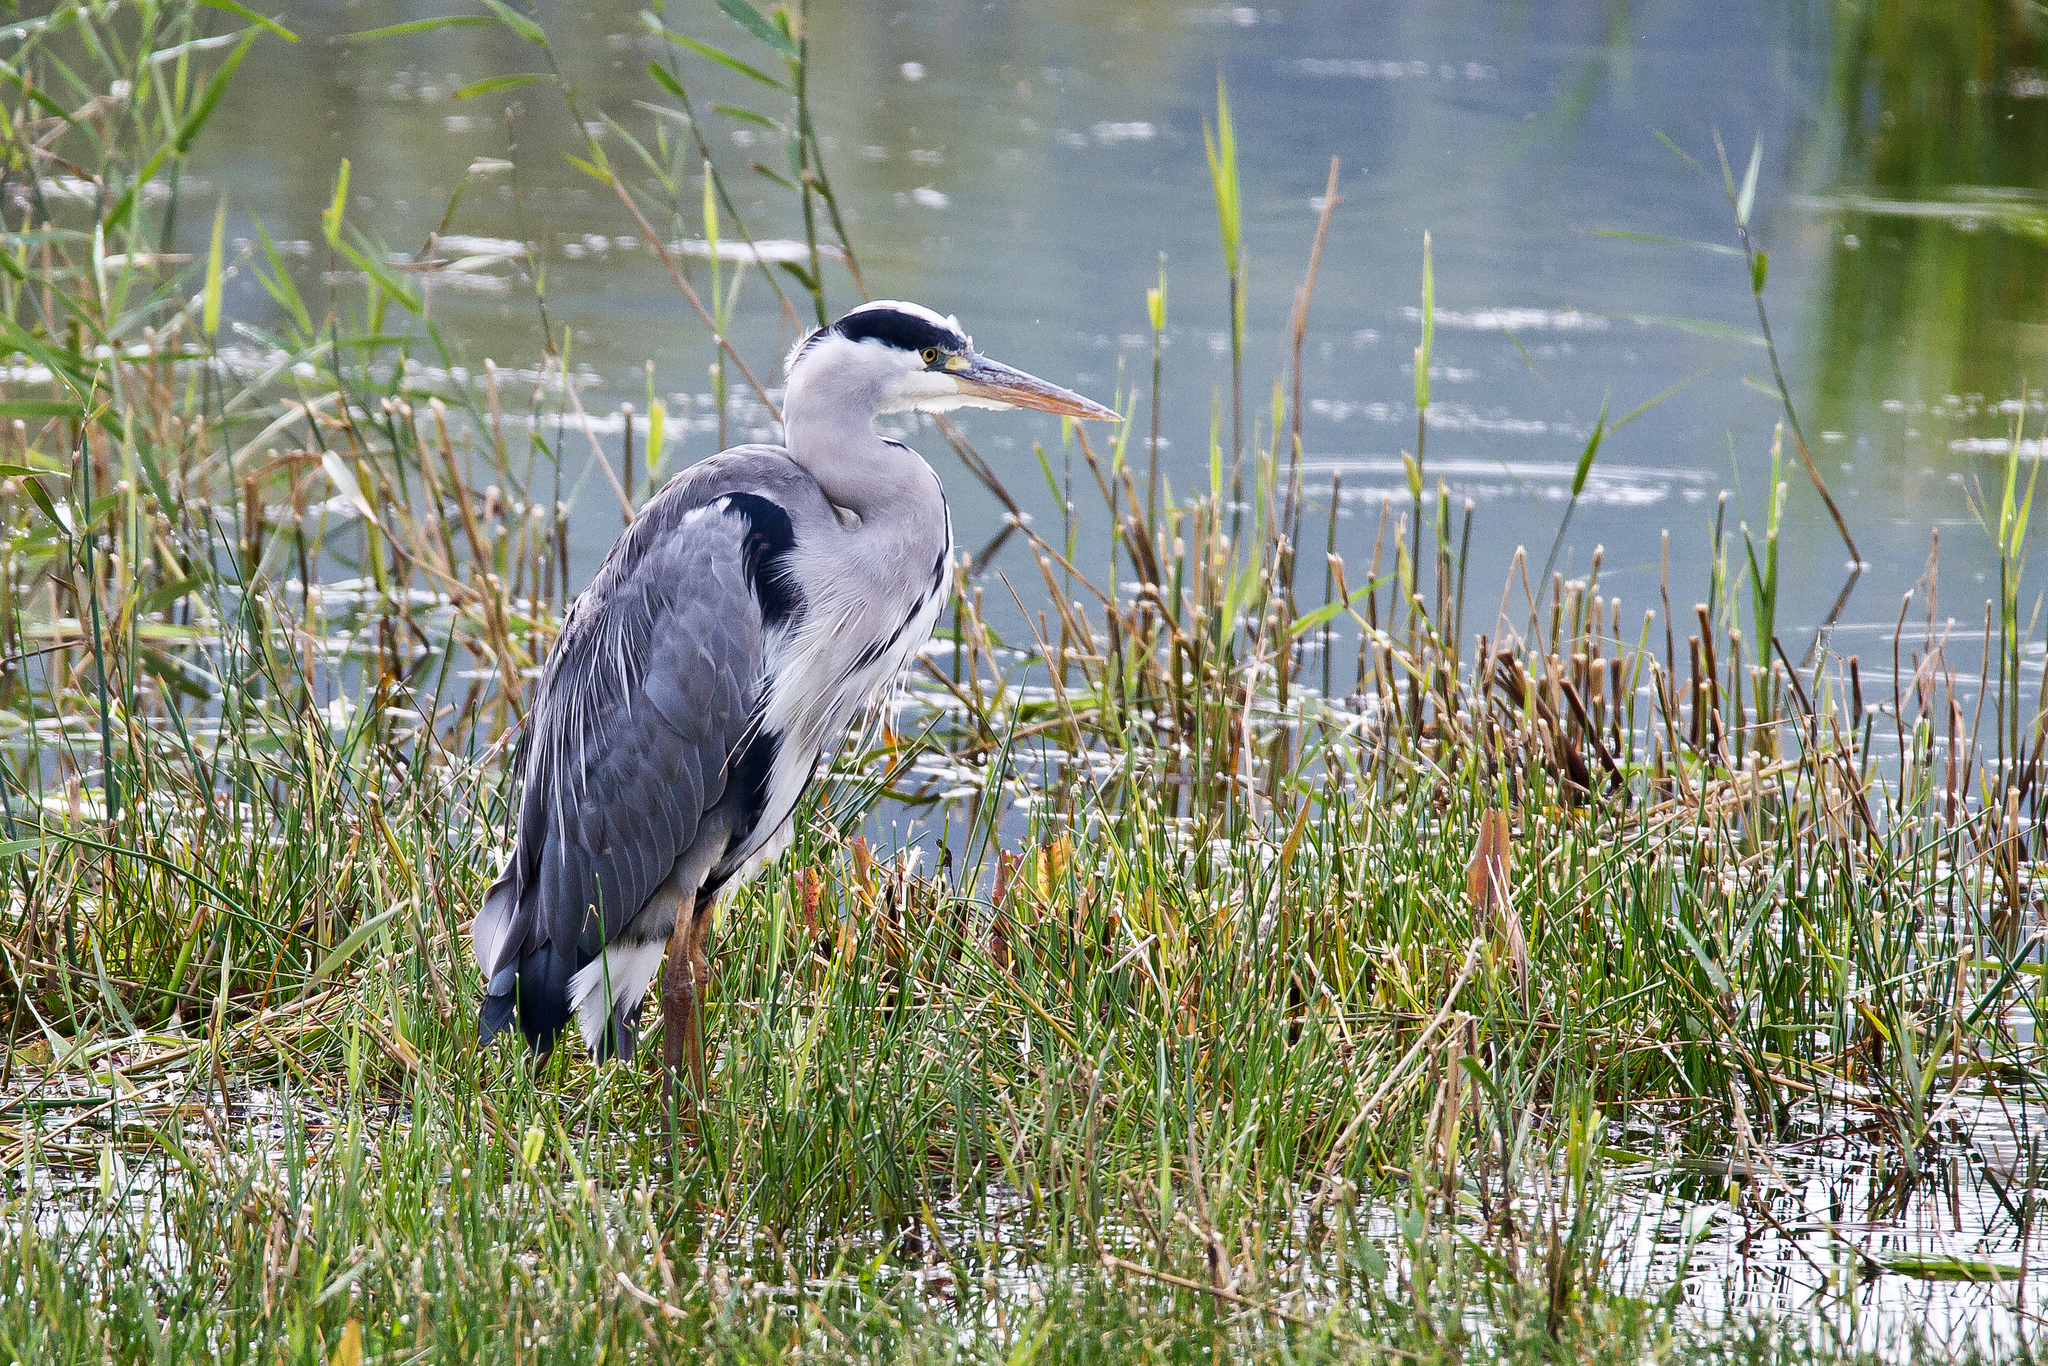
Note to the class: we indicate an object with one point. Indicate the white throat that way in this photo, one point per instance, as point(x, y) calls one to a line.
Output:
point(837, 389)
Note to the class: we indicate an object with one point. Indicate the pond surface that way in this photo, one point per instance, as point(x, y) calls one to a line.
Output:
point(1027, 168)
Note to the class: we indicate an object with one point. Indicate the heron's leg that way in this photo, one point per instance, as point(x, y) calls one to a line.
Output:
point(682, 975)
point(678, 1001)
point(700, 974)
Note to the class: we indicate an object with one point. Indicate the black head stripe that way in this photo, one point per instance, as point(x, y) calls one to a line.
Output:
point(894, 327)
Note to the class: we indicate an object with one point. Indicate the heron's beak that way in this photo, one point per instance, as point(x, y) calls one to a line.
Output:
point(991, 383)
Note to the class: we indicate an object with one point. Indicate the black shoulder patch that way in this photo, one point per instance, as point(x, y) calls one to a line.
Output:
point(746, 790)
point(904, 331)
point(770, 538)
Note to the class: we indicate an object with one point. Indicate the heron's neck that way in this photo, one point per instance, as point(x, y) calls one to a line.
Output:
point(877, 480)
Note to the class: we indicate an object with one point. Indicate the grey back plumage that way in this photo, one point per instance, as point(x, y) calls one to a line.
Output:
point(640, 728)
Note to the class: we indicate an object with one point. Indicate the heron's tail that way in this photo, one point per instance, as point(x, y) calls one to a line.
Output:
point(496, 1011)
point(493, 940)
point(495, 934)
point(534, 989)
point(522, 980)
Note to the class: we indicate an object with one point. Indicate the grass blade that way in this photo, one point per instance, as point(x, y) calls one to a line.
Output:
point(210, 314)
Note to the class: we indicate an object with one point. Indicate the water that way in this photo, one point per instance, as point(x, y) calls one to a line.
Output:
point(1028, 173)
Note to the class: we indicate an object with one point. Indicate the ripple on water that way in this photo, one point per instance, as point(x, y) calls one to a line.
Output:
point(1496, 480)
point(1497, 319)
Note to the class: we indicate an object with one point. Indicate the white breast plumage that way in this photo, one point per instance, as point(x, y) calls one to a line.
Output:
point(813, 696)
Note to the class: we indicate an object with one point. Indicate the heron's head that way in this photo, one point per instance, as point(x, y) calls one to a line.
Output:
point(893, 357)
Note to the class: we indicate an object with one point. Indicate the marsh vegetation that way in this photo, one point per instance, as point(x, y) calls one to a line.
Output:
point(1295, 957)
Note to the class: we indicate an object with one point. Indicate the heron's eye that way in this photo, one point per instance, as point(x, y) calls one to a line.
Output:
point(931, 355)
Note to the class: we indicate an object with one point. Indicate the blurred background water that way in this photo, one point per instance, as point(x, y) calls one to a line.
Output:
point(1027, 166)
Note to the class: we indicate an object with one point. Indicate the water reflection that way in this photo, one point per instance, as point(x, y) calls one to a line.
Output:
point(1935, 280)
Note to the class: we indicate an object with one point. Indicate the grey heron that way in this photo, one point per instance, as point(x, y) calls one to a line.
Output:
point(752, 608)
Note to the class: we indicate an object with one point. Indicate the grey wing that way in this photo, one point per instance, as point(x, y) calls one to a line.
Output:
point(645, 698)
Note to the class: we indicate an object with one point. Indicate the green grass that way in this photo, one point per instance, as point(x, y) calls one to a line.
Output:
point(1221, 1044)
